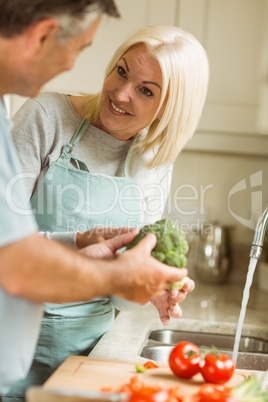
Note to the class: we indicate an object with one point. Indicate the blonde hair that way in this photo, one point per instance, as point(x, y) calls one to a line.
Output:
point(184, 65)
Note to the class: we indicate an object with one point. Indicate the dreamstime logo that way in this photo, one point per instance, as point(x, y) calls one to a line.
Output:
point(256, 199)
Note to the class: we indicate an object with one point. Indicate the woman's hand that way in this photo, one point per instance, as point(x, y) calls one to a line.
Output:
point(97, 235)
point(168, 304)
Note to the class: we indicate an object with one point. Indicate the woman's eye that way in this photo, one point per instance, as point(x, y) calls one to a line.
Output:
point(121, 71)
point(146, 91)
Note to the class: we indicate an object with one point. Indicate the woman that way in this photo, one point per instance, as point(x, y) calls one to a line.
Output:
point(105, 160)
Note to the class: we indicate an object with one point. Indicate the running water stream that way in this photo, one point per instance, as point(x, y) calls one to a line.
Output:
point(251, 269)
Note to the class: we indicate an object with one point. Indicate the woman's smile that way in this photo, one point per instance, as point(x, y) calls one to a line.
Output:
point(118, 109)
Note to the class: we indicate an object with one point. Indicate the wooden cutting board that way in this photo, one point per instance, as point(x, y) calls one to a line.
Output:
point(85, 373)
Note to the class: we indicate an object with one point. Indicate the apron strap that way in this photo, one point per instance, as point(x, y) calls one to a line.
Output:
point(79, 132)
point(67, 149)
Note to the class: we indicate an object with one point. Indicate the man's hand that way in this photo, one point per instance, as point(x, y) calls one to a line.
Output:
point(168, 304)
point(97, 235)
point(141, 277)
point(109, 248)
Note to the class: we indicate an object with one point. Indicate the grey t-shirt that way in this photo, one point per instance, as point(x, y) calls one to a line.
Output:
point(44, 124)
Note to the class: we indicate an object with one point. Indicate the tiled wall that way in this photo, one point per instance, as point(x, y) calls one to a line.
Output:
point(203, 183)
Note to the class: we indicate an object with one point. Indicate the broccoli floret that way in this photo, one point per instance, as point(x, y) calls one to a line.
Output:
point(175, 259)
point(171, 245)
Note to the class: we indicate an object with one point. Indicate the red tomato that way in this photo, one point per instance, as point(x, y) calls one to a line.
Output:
point(184, 359)
point(214, 393)
point(217, 368)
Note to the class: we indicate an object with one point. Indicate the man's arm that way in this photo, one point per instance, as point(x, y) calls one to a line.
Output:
point(44, 271)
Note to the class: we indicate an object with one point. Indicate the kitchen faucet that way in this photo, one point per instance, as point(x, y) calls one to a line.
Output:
point(260, 230)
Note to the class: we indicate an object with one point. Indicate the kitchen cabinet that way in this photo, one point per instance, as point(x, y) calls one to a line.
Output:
point(263, 93)
point(232, 34)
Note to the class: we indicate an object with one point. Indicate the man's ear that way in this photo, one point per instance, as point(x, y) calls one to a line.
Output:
point(41, 34)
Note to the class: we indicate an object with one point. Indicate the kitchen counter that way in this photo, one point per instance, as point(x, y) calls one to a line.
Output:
point(208, 309)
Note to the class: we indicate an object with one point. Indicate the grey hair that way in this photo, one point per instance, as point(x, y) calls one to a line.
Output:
point(18, 15)
point(71, 26)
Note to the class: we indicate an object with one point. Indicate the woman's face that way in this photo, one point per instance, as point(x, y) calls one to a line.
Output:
point(130, 95)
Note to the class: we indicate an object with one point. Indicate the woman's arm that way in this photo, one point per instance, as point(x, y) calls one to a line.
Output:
point(36, 139)
point(33, 136)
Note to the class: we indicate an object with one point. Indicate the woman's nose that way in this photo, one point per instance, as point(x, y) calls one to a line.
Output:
point(123, 93)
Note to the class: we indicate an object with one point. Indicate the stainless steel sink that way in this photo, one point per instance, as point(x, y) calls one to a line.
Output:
point(226, 342)
point(252, 352)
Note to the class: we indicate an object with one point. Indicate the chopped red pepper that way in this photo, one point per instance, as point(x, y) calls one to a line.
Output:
point(139, 392)
point(150, 365)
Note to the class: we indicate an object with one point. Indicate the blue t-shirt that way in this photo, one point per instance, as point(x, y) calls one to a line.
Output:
point(19, 319)
point(16, 218)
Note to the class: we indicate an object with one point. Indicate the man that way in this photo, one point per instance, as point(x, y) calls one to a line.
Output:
point(38, 40)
